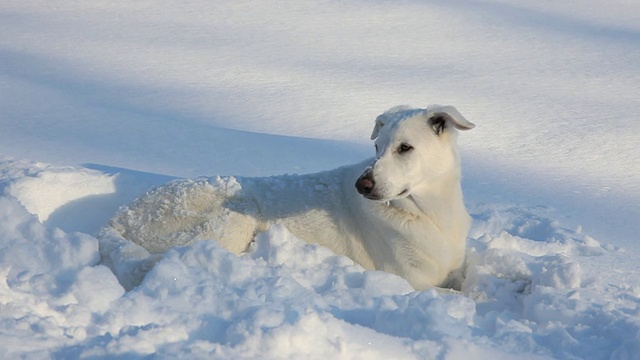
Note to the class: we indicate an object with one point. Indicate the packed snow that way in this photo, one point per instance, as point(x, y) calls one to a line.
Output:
point(102, 101)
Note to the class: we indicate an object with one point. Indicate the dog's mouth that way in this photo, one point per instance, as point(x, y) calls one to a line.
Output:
point(376, 197)
point(372, 196)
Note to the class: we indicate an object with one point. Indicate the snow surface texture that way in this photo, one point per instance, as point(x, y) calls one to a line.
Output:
point(525, 293)
point(128, 95)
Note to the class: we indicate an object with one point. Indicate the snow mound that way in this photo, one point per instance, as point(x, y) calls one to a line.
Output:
point(46, 190)
point(525, 274)
point(528, 290)
point(51, 286)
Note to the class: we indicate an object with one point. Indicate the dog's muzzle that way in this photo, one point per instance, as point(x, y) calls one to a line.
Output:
point(365, 184)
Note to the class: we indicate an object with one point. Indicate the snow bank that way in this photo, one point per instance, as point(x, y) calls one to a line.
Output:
point(525, 275)
point(44, 191)
point(51, 286)
point(525, 293)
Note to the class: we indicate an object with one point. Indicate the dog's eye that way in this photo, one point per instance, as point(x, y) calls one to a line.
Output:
point(403, 148)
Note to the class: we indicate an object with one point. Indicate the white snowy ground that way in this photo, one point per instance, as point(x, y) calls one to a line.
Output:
point(101, 100)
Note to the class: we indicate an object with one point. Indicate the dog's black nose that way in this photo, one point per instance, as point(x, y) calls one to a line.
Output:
point(365, 184)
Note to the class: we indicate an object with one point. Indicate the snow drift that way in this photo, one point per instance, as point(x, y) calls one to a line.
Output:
point(525, 292)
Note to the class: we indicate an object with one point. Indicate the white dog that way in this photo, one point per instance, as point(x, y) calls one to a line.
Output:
point(407, 216)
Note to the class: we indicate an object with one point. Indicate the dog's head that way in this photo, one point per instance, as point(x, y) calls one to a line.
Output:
point(414, 148)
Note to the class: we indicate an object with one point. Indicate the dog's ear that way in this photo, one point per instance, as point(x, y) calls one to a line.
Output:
point(441, 117)
point(377, 127)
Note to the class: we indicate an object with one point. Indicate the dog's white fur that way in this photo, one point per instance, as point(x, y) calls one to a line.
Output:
point(410, 219)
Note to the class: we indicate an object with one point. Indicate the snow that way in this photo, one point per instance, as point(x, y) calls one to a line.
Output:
point(44, 192)
point(101, 101)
